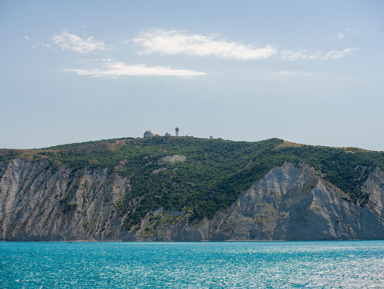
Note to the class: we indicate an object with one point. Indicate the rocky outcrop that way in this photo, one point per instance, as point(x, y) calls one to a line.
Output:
point(374, 187)
point(39, 201)
point(173, 159)
point(293, 203)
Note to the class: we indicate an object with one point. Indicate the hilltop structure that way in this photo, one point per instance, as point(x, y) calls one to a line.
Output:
point(149, 134)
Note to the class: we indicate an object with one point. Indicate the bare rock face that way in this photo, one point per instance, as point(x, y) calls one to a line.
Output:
point(292, 203)
point(39, 201)
point(374, 186)
point(173, 159)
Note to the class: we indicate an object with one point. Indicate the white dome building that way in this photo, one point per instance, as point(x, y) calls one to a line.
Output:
point(168, 134)
point(148, 134)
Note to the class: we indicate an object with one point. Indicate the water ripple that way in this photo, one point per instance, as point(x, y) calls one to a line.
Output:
point(350, 264)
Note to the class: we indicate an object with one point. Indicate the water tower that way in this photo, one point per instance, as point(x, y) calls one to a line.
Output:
point(177, 131)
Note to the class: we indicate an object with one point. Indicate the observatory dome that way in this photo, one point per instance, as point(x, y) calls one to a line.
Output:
point(148, 134)
point(168, 134)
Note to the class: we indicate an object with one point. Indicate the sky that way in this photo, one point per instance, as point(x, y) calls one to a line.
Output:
point(305, 71)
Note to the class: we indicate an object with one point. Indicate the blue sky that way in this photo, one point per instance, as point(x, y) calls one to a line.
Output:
point(305, 71)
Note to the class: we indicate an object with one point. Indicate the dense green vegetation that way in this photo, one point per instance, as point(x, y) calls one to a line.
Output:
point(213, 174)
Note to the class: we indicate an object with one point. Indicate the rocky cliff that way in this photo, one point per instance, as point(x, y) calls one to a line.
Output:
point(39, 201)
point(42, 201)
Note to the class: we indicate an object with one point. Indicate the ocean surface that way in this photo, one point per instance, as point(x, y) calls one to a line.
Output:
point(342, 264)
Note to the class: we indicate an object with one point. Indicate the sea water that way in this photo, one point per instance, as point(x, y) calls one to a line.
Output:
point(342, 264)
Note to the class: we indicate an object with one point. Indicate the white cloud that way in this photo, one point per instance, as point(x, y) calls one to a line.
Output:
point(34, 43)
point(73, 42)
point(346, 33)
point(175, 42)
point(290, 55)
point(116, 69)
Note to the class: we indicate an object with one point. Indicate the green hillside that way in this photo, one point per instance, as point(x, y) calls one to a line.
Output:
point(212, 174)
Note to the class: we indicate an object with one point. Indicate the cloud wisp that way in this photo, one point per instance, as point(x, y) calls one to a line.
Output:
point(347, 33)
point(68, 41)
point(27, 40)
point(118, 69)
point(175, 42)
point(290, 55)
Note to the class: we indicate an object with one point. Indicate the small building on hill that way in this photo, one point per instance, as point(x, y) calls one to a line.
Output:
point(148, 134)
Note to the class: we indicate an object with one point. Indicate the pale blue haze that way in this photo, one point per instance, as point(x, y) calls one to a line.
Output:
point(342, 264)
point(330, 94)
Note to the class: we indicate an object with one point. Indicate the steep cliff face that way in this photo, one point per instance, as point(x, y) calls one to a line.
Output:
point(374, 187)
point(293, 203)
point(39, 201)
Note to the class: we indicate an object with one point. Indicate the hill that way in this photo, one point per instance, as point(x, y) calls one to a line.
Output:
point(171, 179)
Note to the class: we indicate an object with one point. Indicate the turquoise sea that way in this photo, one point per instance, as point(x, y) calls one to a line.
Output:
point(342, 264)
